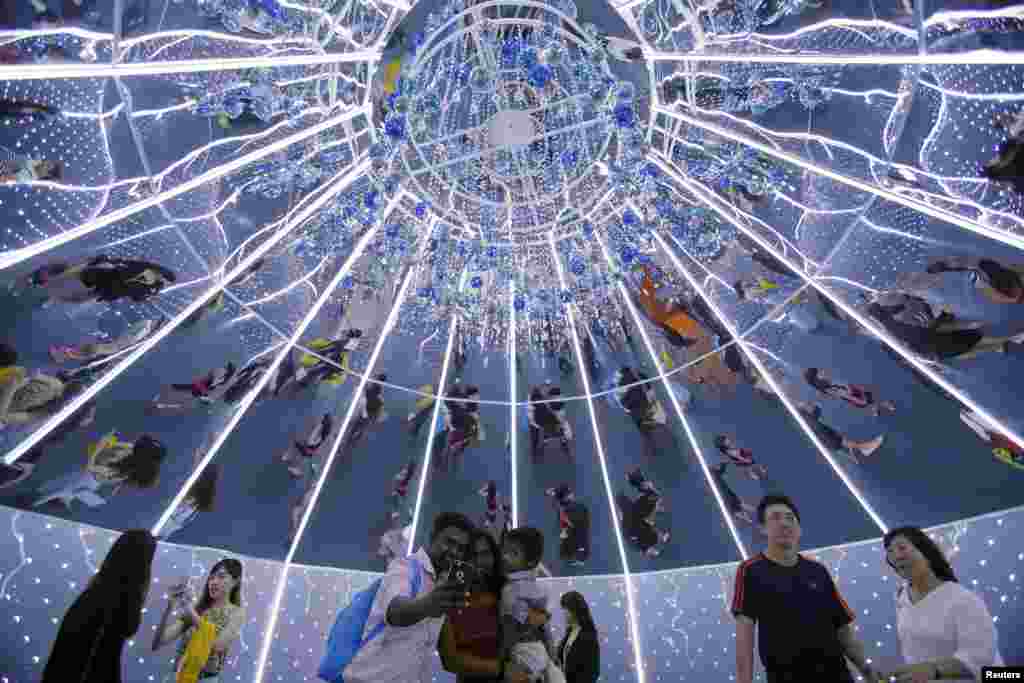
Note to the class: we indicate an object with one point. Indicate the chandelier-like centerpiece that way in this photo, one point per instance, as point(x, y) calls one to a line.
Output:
point(506, 125)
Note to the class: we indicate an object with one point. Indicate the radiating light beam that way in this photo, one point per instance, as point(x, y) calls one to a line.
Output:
point(797, 416)
point(282, 582)
point(895, 197)
point(16, 256)
point(30, 442)
point(513, 399)
point(626, 574)
point(425, 467)
point(51, 71)
point(678, 408)
point(976, 57)
point(715, 203)
point(265, 379)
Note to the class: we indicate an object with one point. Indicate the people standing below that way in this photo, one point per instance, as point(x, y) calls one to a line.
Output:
point(579, 653)
point(302, 451)
point(804, 627)
point(108, 613)
point(740, 457)
point(638, 517)
point(369, 411)
point(400, 492)
point(410, 622)
point(945, 630)
point(733, 503)
point(422, 410)
point(210, 626)
point(833, 440)
point(547, 420)
point(574, 525)
point(176, 399)
point(854, 394)
point(637, 398)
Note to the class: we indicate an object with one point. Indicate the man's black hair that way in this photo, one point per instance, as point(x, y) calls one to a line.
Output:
point(775, 499)
point(447, 520)
point(531, 541)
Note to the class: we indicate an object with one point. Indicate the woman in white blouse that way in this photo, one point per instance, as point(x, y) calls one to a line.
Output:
point(945, 630)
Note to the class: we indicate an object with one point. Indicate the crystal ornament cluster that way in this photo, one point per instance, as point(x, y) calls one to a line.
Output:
point(501, 125)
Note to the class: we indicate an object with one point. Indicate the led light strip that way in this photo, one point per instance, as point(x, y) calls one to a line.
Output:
point(513, 393)
point(265, 379)
point(12, 258)
point(54, 71)
point(989, 57)
point(921, 207)
point(867, 323)
point(626, 575)
point(775, 387)
point(679, 410)
point(425, 467)
point(29, 443)
point(268, 634)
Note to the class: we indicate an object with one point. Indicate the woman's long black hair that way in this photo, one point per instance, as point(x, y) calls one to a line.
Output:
point(926, 546)
point(109, 611)
point(577, 604)
point(234, 568)
point(497, 580)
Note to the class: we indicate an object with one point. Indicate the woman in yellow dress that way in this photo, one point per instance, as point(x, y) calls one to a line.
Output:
point(220, 607)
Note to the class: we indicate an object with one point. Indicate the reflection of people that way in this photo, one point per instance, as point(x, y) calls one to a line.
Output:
point(833, 440)
point(1003, 449)
point(179, 398)
point(201, 497)
point(736, 506)
point(638, 517)
point(25, 397)
point(92, 634)
point(574, 525)
point(740, 457)
point(804, 627)
point(92, 350)
point(209, 628)
point(854, 394)
point(914, 322)
point(547, 420)
point(579, 653)
point(950, 635)
point(102, 278)
point(302, 451)
point(112, 462)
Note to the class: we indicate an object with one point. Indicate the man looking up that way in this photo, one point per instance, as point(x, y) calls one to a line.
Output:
point(804, 626)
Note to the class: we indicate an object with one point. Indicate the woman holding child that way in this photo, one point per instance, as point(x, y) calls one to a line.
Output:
point(470, 640)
